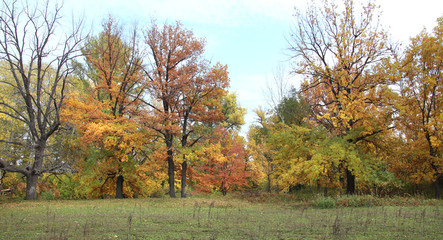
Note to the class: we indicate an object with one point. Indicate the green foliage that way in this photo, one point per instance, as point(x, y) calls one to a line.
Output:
point(67, 186)
point(47, 195)
point(324, 202)
point(292, 109)
point(213, 218)
point(232, 111)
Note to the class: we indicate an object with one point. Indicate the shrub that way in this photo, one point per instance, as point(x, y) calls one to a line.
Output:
point(48, 195)
point(357, 201)
point(324, 202)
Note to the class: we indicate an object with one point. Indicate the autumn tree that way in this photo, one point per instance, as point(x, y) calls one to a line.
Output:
point(232, 112)
point(220, 162)
point(258, 147)
point(420, 107)
point(223, 163)
point(106, 115)
point(38, 61)
point(184, 89)
point(338, 49)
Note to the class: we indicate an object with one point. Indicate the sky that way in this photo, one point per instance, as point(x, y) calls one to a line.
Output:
point(247, 35)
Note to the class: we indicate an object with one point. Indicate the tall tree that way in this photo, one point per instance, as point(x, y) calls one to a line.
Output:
point(338, 48)
point(220, 160)
point(258, 136)
point(39, 62)
point(420, 105)
point(106, 116)
point(185, 91)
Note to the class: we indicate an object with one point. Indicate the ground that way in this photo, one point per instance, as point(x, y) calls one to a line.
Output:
point(213, 218)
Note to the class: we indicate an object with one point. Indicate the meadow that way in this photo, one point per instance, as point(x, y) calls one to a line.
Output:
point(218, 218)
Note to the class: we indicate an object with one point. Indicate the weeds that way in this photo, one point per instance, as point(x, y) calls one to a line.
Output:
point(227, 218)
point(323, 202)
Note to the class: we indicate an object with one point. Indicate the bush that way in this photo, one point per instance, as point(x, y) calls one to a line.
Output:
point(324, 202)
point(357, 201)
point(48, 195)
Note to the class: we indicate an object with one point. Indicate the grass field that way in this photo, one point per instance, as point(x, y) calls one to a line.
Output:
point(218, 218)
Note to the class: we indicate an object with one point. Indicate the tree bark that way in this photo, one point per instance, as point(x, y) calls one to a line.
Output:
point(268, 186)
point(171, 173)
point(31, 186)
point(223, 189)
point(184, 170)
point(33, 174)
point(119, 187)
point(350, 179)
point(437, 188)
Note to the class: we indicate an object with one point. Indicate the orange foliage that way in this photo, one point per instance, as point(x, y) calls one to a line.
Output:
point(224, 163)
point(420, 109)
point(185, 91)
point(106, 114)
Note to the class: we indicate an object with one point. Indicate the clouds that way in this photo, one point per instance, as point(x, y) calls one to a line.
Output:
point(406, 18)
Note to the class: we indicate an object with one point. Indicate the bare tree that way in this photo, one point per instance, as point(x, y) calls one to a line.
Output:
point(38, 62)
point(278, 87)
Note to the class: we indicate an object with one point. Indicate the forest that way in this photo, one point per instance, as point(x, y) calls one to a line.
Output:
point(139, 111)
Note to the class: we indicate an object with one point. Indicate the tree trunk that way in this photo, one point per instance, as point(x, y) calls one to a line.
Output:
point(171, 174)
point(350, 179)
point(268, 187)
point(31, 186)
point(32, 176)
point(437, 188)
point(184, 170)
point(433, 154)
point(119, 187)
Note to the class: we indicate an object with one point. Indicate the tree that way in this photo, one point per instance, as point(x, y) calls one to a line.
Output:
point(184, 89)
point(224, 163)
point(40, 69)
point(420, 106)
point(233, 113)
point(310, 156)
point(221, 161)
point(338, 52)
point(258, 136)
point(292, 109)
point(107, 115)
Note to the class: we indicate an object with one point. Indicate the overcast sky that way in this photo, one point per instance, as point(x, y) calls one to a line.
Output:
point(247, 35)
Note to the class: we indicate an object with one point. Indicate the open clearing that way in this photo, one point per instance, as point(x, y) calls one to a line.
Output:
point(206, 218)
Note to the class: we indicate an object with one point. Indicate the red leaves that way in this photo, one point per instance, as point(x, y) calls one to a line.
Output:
point(225, 164)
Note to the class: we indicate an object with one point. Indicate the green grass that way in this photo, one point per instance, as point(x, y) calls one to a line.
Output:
point(213, 218)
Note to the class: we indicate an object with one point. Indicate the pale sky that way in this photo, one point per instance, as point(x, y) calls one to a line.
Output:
point(247, 35)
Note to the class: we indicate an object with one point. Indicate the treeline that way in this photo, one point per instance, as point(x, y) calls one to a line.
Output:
point(141, 112)
point(368, 115)
point(122, 113)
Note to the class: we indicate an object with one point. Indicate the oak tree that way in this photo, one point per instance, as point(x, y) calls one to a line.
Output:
point(184, 89)
point(420, 105)
point(106, 115)
point(38, 60)
point(337, 48)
